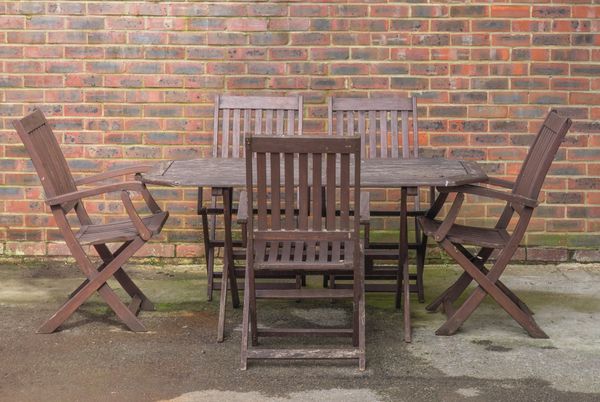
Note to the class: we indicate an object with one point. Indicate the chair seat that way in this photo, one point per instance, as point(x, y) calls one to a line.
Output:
point(120, 231)
point(476, 236)
point(303, 256)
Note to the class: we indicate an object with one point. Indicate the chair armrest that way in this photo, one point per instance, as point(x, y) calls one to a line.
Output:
point(490, 193)
point(365, 207)
point(108, 188)
point(500, 182)
point(242, 213)
point(114, 173)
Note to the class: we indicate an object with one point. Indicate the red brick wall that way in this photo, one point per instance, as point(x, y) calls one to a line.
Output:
point(131, 81)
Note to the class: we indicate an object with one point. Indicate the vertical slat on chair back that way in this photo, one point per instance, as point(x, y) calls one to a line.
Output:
point(237, 117)
point(45, 152)
point(387, 126)
point(541, 154)
point(290, 166)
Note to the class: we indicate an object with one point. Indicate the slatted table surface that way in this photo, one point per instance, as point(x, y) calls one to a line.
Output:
point(375, 173)
point(227, 173)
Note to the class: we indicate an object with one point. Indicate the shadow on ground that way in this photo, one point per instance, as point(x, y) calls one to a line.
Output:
point(93, 357)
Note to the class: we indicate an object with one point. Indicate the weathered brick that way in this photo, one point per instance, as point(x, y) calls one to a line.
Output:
point(512, 11)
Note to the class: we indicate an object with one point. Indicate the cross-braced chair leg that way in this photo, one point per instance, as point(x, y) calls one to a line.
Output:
point(96, 281)
point(487, 285)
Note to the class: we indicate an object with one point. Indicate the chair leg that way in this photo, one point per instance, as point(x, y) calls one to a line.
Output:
point(421, 253)
point(487, 285)
point(210, 272)
point(97, 282)
point(452, 293)
point(222, 303)
point(245, 324)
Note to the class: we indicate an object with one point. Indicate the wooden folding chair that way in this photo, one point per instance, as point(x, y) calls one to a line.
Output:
point(452, 237)
point(388, 128)
point(306, 242)
point(235, 118)
point(63, 196)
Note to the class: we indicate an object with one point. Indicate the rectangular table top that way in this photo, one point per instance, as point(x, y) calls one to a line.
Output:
point(375, 173)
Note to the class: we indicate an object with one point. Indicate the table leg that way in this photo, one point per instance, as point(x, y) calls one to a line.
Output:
point(228, 280)
point(228, 246)
point(403, 266)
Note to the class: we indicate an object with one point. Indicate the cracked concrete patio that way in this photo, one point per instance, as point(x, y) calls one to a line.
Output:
point(93, 357)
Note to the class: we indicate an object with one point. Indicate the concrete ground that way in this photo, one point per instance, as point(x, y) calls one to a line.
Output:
point(94, 357)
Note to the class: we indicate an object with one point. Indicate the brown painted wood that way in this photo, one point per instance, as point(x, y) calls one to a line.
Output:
point(63, 196)
point(331, 246)
point(379, 173)
point(385, 126)
point(522, 199)
point(234, 119)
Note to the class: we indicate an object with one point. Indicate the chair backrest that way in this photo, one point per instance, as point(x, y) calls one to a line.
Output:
point(47, 157)
point(285, 168)
point(541, 154)
point(237, 117)
point(387, 126)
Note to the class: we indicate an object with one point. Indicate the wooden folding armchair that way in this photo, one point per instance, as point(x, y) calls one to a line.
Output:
point(306, 242)
point(235, 118)
point(522, 200)
point(388, 128)
point(63, 196)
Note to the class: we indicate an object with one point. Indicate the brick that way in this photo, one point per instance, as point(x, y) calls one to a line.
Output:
point(290, 82)
point(551, 39)
point(147, 38)
point(551, 11)
point(431, 40)
point(370, 82)
point(547, 254)
point(246, 24)
point(408, 83)
point(491, 25)
point(409, 25)
point(26, 37)
point(511, 40)
point(329, 25)
point(308, 39)
point(429, 11)
point(447, 111)
point(511, 11)
point(37, 22)
point(327, 83)
point(206, 24)
point(171, 53)
point(85, 23)
point(226, 38)
point(369, 54)
point(549, 69)
point(570, 54)
point(267, 10)
point(246, 82)
point(489, 83)
point(112, 37)
point(349, 69)
point(570, 84)
point(289, 24)
point(548, 99)
point(410, 54)
point(471, 40)
point(449, 25)
point(329, 54)
point(389, 11)
point(69, 37)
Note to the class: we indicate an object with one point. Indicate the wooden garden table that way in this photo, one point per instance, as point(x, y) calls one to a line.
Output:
point(227, 173)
